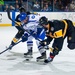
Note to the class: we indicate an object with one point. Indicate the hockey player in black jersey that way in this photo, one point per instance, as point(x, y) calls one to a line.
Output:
point(20, 31)
point(57, 30)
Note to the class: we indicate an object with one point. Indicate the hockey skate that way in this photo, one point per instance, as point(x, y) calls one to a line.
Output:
point(28, 54)
point(41, 58)
point(48, 60)
point(11, 45)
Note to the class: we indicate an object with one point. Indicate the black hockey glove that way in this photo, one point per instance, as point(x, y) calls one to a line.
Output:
point(43, 43)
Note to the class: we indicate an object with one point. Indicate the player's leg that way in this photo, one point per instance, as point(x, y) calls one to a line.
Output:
point(29, 53)
point(42, 49)
point(56, 47)
point(16, 38)
point(71, 35)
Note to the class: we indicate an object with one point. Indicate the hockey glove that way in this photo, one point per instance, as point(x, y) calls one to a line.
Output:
point(43, 43)
point(25, 37)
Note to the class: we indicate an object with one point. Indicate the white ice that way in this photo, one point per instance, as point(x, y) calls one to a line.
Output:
point(13, 63)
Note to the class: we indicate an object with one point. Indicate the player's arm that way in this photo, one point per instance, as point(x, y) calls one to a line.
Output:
point(46, 41)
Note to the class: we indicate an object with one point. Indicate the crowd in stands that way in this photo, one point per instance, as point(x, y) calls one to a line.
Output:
point(39, 5)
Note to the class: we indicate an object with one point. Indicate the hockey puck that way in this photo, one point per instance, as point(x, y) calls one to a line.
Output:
point(27, 59)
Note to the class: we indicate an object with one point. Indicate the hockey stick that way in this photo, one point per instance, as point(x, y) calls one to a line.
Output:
point(8, 13)
point(10, 47)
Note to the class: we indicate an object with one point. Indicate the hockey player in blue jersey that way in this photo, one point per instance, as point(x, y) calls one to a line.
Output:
point(36, 32)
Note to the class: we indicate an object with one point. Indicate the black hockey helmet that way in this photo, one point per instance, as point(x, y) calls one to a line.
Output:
point(22, 9)
point(43, 20)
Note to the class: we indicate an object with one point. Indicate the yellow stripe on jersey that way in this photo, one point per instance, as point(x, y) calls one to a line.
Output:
point(74, 24)
point(58, 34)
point(65, 29)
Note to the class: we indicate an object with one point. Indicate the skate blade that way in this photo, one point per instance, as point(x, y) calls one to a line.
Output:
point(40, 60)
point(28, 56)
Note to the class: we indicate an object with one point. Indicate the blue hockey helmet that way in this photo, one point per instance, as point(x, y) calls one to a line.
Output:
point(22, 16)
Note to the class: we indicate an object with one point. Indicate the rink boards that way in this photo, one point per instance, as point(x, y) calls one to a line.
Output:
point(4, 20)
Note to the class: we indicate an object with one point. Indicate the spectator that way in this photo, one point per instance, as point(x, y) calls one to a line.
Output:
point(72, 6)
point(17, 8)
point(58, 6)
point(50, 5)
point(55, 4)
point(48, 8)
point(42, 4)
point(12, 8)
point(36, 6)
point(6, 7)
point(66, 9)
point(0, 7)
point(19, 2)
point(44, 9)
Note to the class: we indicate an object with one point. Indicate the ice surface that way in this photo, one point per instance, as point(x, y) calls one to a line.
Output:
point(13, 63)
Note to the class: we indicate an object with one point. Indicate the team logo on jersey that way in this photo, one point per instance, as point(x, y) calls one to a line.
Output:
point(33, 17)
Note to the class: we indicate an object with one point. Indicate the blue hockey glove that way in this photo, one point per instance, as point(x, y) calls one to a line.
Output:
point(25, 37)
